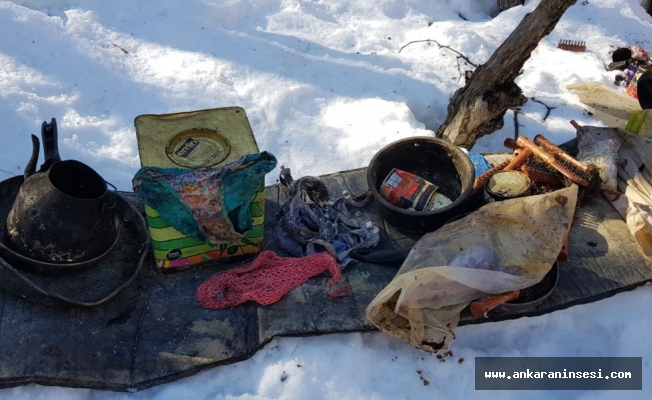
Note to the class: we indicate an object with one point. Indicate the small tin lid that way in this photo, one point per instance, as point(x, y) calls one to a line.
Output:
point(508, 184)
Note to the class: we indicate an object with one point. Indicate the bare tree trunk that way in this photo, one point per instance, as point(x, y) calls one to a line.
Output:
point(478, 108)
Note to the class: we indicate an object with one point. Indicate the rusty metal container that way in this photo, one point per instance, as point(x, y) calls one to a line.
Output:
point(507, 185)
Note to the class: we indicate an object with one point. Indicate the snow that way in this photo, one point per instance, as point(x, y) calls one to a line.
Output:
point(324, 86)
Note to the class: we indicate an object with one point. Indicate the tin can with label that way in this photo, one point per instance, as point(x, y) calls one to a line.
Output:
point(507, 185)
point(411, 192)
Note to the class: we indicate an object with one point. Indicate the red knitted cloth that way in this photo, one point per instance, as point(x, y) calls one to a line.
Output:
point(267, 279)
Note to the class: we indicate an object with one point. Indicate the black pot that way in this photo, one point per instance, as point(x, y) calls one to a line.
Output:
point(62, 214)
point(435, 160)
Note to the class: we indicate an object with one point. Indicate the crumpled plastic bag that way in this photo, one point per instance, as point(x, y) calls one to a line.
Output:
point(636, 212)
point(631, 191)
point(504, 246)
point(596, 147)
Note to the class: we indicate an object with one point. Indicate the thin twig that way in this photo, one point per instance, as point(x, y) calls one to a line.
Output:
point(516, 112)
point(548, 108)
point(10, 173)
point(441, 46)
point(120, 47)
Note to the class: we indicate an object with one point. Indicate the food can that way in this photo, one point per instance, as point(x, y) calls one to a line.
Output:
point(507, 185)
point(411, 192)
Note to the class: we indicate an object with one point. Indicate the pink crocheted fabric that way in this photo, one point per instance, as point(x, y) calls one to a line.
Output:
point(268, 278)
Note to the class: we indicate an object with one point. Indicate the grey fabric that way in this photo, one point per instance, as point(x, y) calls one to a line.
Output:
point(311, 220)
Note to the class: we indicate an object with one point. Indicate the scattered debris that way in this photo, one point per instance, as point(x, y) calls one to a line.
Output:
point(424, 380)
point(284, 376)
point(461, 360)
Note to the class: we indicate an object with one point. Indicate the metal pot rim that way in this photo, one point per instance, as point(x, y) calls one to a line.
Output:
point(44, 266)
point(83, 165)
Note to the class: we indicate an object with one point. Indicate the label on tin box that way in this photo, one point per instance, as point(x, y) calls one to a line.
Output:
point(409, 191)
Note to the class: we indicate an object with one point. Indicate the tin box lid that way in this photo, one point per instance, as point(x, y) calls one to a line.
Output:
point(194, 139)
point(508, 184)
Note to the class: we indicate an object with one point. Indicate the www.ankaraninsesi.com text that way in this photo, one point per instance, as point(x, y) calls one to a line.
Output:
point(557, 375)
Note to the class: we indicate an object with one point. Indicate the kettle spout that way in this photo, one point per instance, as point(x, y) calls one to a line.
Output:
point(31, 165)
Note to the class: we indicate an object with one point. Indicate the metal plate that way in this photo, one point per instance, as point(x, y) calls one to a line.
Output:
point(198, 148)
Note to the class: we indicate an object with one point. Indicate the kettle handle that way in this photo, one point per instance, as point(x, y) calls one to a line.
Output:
point(50, 137)
point(105, 206)
point(31, 164)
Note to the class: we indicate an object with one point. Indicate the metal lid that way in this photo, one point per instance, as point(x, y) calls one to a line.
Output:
point(194, 139)
point(197, 148)
point(508, 184)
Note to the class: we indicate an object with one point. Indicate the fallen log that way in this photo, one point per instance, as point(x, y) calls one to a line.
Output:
point(478, 108)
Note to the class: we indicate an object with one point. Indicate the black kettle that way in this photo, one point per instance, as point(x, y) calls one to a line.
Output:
point(64, 213)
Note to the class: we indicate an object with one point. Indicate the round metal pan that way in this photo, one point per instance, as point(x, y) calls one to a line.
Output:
point(532, 296)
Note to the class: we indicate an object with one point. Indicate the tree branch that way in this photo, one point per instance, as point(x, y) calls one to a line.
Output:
point(478, 108)
point(548, 108)
point(441, 46)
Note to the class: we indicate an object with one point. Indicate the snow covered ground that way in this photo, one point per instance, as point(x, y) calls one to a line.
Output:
point(324, 86)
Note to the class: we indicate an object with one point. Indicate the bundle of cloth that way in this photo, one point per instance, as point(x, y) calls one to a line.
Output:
point(627, 60)
point(312, 221)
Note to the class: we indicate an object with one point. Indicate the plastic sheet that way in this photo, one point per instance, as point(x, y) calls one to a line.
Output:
point(503, 246)
point(630, 191)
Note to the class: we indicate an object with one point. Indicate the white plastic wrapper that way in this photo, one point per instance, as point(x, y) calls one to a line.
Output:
point(504, 246)
point(601, 149)
point(632, 195)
